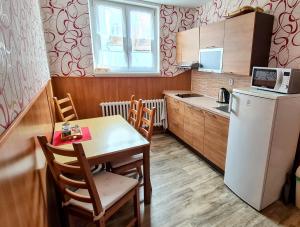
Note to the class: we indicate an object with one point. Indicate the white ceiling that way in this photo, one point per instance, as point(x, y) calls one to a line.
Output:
point(182, 3)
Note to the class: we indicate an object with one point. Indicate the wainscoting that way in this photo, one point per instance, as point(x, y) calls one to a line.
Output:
point(210, 83)
point(22, 165)
point(89, 92)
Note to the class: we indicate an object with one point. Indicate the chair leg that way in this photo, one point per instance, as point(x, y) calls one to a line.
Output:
point(136, 204)
point(100, 222)
point(140, 173)
point(108, 167)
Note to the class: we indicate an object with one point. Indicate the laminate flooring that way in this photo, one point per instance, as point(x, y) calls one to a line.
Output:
point(188, 192)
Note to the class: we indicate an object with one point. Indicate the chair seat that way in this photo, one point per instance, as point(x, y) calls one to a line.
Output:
point(111, 188)
point(126, 161)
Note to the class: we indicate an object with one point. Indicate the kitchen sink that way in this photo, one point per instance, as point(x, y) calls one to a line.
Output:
point(190, 95)
point(224, 108)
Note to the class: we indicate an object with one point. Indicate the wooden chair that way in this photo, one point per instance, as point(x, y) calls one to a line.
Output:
point(134, 113)
point(66, 108)
point(134, 163)
point(96, 197)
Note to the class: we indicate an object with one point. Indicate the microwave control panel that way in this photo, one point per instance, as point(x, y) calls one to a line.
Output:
point(284, 79)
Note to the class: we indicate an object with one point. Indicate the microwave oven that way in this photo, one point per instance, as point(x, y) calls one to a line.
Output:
point(280, 80)
point(211, 60)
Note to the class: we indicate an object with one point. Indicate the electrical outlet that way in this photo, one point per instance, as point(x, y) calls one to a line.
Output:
point(231, 82)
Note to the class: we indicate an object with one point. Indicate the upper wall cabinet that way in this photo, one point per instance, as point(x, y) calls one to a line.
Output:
point(187, 46)
point(247, 42)
point(212, 35)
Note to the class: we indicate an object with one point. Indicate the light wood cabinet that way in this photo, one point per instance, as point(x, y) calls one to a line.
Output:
point(194, 127)
point(215, 139)
point(212, 35)
point(247, 42)
point(187, 46)
point(204, 131)
point(175, 110)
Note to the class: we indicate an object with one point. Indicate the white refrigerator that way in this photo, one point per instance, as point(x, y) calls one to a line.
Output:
point(263, 135)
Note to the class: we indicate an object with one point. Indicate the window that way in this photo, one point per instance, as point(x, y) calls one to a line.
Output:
point(125, 37)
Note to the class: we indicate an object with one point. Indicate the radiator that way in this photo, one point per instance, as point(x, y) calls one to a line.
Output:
point(121, 108)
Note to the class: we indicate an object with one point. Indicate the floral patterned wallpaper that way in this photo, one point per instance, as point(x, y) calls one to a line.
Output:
point(285, 47)
point(23, 58)
point(68, 38)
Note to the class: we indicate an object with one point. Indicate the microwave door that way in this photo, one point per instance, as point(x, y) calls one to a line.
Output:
point(264, 78)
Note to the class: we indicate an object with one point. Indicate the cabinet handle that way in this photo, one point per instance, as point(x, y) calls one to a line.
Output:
point(211, 47)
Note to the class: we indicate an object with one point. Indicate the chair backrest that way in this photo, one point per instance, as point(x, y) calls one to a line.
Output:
point(67, 176)
point(146, 122)
point(134, 113)
point(66, 108)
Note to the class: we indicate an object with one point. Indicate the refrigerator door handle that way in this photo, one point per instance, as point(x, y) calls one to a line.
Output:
point(230, 103)
point(234, 104)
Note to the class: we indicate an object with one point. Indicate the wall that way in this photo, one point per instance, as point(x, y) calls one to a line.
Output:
point(22, 165)
point(68, 38)
point(115, 89)
point(23, 60)
point(210, 83)
point(172, 20)
point(285, 47)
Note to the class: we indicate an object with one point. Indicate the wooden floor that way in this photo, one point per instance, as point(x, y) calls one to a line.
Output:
point(188, 192)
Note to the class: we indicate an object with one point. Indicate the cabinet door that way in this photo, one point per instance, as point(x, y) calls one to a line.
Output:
point(212, 35)
point(179, 45)
point(215, 139)
point(194, 127)
point(238, 44)
point(187, 46)
point(175, 110)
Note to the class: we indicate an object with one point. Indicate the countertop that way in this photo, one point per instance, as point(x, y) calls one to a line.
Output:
point(204, 102)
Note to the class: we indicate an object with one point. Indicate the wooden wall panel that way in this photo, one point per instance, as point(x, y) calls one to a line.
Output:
point(22, 166)
point(89, 92)
point(210, 83)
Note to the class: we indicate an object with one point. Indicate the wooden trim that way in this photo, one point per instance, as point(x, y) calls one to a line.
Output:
point(15, 123)
point(88, 92)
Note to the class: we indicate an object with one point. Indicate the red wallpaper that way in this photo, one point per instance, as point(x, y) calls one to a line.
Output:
point(23, 59)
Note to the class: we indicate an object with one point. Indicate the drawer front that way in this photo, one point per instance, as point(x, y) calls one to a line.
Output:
point(215, 139)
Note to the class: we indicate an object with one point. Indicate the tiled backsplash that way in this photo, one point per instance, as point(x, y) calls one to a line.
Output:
point(210, 83)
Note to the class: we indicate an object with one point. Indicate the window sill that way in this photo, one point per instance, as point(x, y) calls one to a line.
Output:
point(127, 74)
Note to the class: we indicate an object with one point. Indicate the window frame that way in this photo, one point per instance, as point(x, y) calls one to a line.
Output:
point(126, 6)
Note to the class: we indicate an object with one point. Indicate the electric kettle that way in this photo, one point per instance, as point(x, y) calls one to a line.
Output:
point(223, 96)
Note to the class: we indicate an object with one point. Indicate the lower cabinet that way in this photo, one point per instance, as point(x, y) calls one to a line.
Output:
point(175, 110)
point(215, 139)
point(206, 132)
point(193, 123)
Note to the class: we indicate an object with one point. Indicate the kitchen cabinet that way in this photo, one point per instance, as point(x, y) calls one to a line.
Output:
point(212, 35)
point(204, 131)
point(175, 110)
point(193, 127)
point(215, 138)
point(247, 42)
point(187, 46)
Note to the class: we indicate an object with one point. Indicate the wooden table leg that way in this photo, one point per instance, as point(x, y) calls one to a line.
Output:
point(147, 182)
